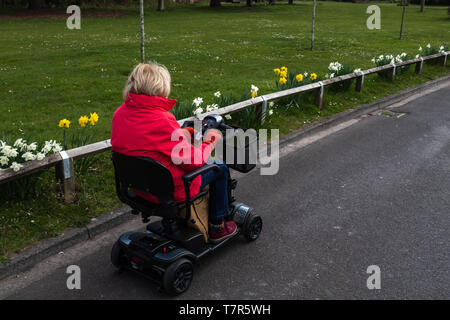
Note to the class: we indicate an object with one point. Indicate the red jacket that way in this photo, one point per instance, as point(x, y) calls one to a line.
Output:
point(143, 126)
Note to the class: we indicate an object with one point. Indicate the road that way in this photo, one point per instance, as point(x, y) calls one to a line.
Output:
point(374, 193)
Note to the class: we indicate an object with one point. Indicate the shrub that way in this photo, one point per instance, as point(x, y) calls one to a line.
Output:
point(383, 60)
point(337, 69)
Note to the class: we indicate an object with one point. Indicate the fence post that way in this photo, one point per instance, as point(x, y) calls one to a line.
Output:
point(66, 177)
point(444, 59)
point(391, 74)
point(319, 95)
point(263, 110)
point(419, 66)
point(360, 82)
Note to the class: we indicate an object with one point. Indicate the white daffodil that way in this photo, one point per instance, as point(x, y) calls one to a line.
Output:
point(19, 143)
point(10, 152)
point(40, 156)
point(417, 56)
point(198, 111)
point(28, 156)
point(217, 94)
point(228, 117)
point(357, 70)
point(32, 146)
point(270, 112)
point(420, 48)
point(373, 60)
point(56, 148)
point(4, 160)
point(271, 104)
point(305, 74)
point(197, 101)
point(255, 88)
point(16, 166)
point(428, 46)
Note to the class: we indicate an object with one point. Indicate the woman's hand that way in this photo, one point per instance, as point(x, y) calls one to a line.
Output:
point(213, 136)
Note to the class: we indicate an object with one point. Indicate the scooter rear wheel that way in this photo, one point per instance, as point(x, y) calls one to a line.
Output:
point(178, 276)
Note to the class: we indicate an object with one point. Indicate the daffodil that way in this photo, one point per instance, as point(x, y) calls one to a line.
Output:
point(254, 94)
point(64, 123)
point(283, 80)
point(93, 119)
point(313, 76)
point(299, 77)
point(83, 121)
point(16, 166)
point(277, 71)
point(283, 69)
point(4, 160)
point(283, 74)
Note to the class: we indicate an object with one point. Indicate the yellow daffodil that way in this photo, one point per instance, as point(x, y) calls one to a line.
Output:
point(64, 123)
point(83, 121)
point(313, 76)
point(277, 71)
point(283, 80)
point(254, 94)
point(283, 69)
point(93, 119)
point(283, 74)
point(299, 77)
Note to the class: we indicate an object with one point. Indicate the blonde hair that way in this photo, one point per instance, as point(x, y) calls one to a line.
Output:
point(151, 79)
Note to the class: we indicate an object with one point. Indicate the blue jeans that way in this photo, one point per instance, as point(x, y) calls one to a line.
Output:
point(218, 182)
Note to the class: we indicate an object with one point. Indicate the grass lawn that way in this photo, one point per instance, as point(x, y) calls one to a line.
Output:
point(48, 72)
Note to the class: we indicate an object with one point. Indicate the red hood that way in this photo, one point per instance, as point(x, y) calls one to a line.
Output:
point(142, 100)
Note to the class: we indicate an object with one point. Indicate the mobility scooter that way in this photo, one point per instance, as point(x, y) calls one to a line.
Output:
point(168, 249)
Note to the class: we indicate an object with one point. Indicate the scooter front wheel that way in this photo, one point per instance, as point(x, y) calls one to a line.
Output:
point(253, 227)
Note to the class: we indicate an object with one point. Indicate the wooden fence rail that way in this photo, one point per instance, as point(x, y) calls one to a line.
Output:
point(63, 161)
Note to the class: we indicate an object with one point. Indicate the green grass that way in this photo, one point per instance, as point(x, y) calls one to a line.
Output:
point(48, 72)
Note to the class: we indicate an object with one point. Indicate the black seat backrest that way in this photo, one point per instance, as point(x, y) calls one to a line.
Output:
point(143, 174)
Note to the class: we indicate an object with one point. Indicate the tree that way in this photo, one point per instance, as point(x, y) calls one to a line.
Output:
point(35, 4)
point(404, 2)
point(141, 23)
point(160, 5)
point(214, 3)
point(422, 5)
point(249, 3)
point(312, 29)
point(291, 1)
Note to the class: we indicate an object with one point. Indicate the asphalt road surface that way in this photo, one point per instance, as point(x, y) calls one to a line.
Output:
point(374, 193)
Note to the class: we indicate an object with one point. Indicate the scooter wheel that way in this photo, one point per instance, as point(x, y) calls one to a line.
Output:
point(178, 276)
point(253, 227)
point(116, 253)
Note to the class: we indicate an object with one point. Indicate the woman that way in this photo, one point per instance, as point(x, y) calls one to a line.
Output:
point(143, 126)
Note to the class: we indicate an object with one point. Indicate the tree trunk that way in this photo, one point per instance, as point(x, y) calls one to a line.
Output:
point(35, 4)
point(272, 2)
point(422, 5)
point(141, 6)
point(160, 5)
point(249, 3)
point(214, 3)
point(312, 30)
point(291, 1)
point(403, 19)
